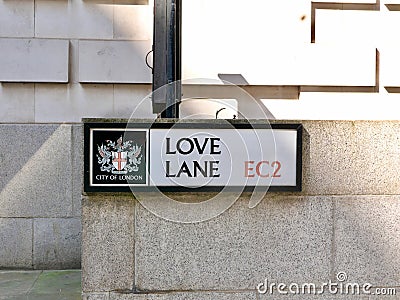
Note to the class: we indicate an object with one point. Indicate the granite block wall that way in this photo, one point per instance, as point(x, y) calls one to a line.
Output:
point(344, 223)
point(65, 60)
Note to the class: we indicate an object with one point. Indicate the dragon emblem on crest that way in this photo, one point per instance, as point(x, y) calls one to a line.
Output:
point(120, 157)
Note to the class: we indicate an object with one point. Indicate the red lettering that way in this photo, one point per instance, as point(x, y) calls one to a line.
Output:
point(247, 169)
point(262, 169)
point(258, 168)
point(278, 164)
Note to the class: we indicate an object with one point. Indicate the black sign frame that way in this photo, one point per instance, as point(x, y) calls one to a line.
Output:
point(88, 126)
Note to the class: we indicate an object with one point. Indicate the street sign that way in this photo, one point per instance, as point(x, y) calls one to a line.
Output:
point(192, 156)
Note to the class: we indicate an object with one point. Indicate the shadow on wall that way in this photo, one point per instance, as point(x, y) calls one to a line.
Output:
point(22, 144)
point(38, 183)
point(246, 99)
point(104, 54)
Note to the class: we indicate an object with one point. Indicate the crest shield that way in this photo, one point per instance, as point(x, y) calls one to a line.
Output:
point(121, 157)
point(119, 160)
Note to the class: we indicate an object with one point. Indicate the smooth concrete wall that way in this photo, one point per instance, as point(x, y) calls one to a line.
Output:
point(346, 219)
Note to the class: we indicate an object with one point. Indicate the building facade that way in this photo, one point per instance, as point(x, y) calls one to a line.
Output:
point(332, 65)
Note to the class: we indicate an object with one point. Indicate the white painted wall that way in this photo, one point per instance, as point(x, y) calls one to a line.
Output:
point(68, 59)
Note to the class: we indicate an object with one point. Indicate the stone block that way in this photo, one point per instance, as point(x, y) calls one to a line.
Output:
point(350, 27)
point(71, 103)
point(342, 156)
point(114, 62)
point(133, 22)
point(34, 60)
point(16, 243)
point(36, 176)
point(132, 101)
point(328, 65)
point(52, 103)
point(367, 239)
point(17, 18)
point(186, 296)
point(57, 243)
point(376, 151)
point(327, 158)
point(74, 19)
point(108, 254)
point(283, 238)
point(17, 102)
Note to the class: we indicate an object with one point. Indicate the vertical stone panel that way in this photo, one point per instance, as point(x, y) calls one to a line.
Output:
point(36, 178)
point(367, 239)
point(57, 243)
point(16, 243)
point(108, 243)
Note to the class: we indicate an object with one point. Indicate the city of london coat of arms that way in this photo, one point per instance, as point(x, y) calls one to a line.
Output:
point(119, 157)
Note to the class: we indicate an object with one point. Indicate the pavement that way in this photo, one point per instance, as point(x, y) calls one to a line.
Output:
point(40, 285)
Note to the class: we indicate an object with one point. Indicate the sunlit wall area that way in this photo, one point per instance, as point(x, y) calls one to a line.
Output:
point(64, 60)
point(341, 56)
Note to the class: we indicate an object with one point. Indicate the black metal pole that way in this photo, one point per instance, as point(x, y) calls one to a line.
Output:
point(167, 57)
point(170, 111)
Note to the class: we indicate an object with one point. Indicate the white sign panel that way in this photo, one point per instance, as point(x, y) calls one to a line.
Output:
point(223, 157)
point(189, 156)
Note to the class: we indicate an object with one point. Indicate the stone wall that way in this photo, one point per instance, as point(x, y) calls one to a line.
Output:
point(345, 220)
point(40, 196)
point(60, 61)
point(69, 59)
point(65, 60)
